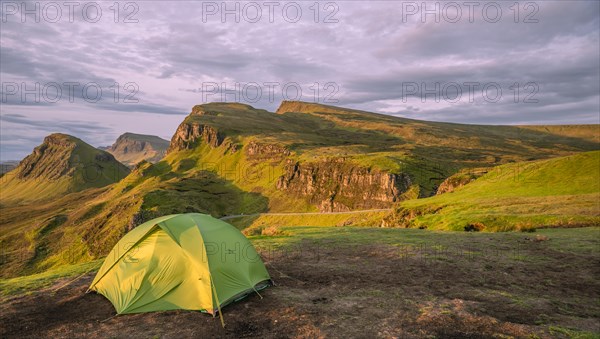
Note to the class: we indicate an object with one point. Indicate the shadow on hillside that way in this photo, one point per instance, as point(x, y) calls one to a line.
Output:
point(203, 192)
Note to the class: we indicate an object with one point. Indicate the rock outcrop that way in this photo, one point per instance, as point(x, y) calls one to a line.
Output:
point(189, 134)
point(260, 150)
point(459, 180)
point(339, 185)
point(202, 110)
point(404, 217)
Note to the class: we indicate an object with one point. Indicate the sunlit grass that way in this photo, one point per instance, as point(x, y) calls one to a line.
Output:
point(556, 192)
point(46, 279)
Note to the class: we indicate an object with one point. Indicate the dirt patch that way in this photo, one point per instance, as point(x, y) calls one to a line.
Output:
point(350, 291)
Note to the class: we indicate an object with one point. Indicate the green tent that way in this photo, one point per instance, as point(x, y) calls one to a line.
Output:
point(183, 261)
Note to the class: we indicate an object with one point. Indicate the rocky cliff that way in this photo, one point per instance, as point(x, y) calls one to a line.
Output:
point(256, 150)
point(296, 106)
point(132, 148)
point(188, 135)
point(340, 185)
point(212, 123)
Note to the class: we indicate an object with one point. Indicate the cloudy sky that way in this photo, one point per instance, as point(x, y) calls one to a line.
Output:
point(491, 63)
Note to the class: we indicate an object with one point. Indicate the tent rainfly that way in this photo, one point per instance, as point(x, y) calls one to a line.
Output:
point(183, 261)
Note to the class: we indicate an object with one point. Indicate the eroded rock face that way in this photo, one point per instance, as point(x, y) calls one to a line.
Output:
point(188, 134)
point(258, 150)
point(338, 185)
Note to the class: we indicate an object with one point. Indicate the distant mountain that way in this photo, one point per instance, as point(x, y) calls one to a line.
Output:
point(7, 166)
point(132, 148)
point(61, 164)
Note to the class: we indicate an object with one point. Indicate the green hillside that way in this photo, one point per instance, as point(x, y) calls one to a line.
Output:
point(428, 152)
point(227, 159)
point(62, 164)
point(561, 191)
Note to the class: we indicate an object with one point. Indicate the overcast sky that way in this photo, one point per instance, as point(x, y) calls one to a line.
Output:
point(379, 56)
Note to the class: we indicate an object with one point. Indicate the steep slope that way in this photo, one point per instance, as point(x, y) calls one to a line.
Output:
point(130, 148)
point(61, 164)
point(561, 191)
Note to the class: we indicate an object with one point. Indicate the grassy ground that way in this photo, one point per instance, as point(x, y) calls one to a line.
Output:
point(346, 281)
point(49, 281)
point(35, 238)
point(271, 224)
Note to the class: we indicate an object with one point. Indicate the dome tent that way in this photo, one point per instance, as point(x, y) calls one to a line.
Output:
point(182, 261)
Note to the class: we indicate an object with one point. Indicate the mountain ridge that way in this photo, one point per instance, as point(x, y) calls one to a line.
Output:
point(61, 164)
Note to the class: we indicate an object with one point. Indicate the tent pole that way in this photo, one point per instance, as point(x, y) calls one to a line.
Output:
point(217, 299)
